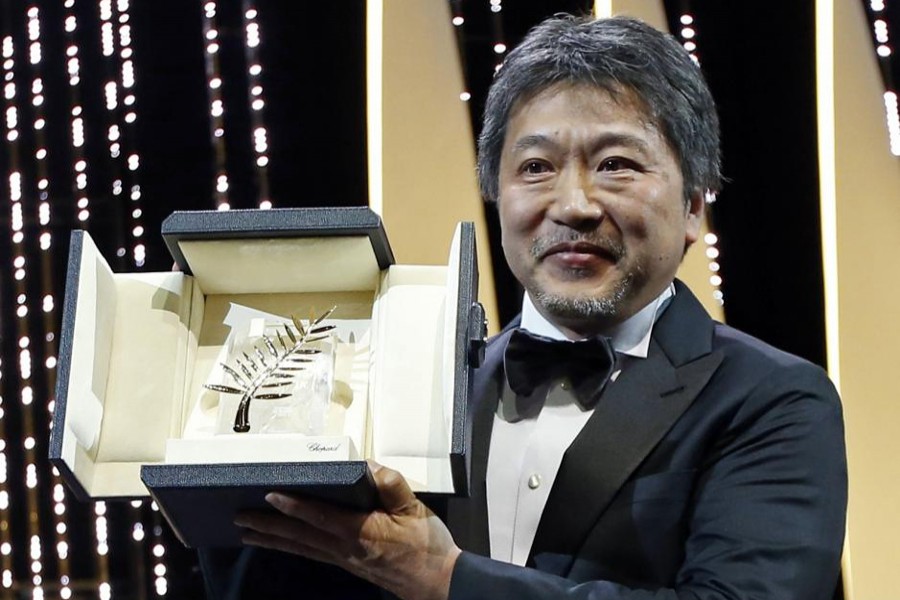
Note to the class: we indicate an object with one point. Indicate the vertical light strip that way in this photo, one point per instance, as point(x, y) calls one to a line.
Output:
point(138, 545)
point(112, 93)
point(17, 196)
point(885, 51)
point(62, 536)
point(825, 121)
point(124, 135)
point(7, 51)
point(602, 9)
point(687, 33)
point(44, 218)
point(499, 46)
point(20, 268)
point(893, 121)
point(880, 29)
point(26, 347)
point(252, 40)
point(82, 212)
point(26, 359)
point(458, 20)
point(110, 88)
point(129, 135)
point(711, 241)
point(825, 110)
point(101, 535)
point(216, 102)
point(73, 70)
point(374, 99)
point(160, 581)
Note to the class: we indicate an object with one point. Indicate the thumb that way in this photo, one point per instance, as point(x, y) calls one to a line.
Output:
point(393, 490)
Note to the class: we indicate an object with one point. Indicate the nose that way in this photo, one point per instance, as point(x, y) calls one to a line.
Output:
point(575, 203)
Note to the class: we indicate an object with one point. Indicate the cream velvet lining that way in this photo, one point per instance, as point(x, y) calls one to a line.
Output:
point(283, 265)
point(145, 343)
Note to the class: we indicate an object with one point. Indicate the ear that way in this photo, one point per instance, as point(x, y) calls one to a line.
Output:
point(695, 211)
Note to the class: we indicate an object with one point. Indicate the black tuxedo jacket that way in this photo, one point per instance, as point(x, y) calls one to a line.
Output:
point(714, 469)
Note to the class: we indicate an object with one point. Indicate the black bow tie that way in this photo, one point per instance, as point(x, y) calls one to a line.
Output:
point(534, 359)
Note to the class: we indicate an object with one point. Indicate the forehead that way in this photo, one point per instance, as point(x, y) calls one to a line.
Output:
point(581, 103)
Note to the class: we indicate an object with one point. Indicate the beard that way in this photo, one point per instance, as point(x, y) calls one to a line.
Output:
point(606, 307)
point(587, 307)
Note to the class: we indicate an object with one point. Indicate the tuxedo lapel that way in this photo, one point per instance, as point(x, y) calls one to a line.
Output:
point(631, 417)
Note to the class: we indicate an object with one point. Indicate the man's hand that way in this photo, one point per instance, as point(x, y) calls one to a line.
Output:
point(402, 547)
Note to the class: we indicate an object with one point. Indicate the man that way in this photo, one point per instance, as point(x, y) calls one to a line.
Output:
point(685, 459)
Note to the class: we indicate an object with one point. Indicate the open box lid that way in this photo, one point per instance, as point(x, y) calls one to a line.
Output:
point(183, 490)
point(272, 224)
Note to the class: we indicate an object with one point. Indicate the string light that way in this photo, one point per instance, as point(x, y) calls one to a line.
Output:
point(216, 101)
point(5, 537)
point(893, 121)
point(252, 40)
point(32, 220)
point(45, 222)
point(121, 135)
point(19, 197)
point(499, 46)
point(458, 20)
point(18, 264)
point(884, 50)
point(687, 33)
point(73, 70)
point(711, 241)
point(160, 581)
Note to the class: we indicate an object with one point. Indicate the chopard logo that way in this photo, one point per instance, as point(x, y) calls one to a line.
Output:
point(320, 447)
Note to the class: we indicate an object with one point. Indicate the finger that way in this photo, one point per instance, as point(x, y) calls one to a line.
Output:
point(393, 490)
point(335, 520)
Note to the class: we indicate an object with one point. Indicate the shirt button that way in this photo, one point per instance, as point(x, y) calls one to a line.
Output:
point(565, 384)
point(534, 482)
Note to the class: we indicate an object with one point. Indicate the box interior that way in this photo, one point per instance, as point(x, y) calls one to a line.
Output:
point(144, 344)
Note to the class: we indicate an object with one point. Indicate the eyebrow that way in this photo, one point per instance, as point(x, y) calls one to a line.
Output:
point(540, 140)
point(535, 140)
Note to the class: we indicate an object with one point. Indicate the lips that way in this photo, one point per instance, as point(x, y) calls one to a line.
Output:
point(573, 251)
point(576, 249)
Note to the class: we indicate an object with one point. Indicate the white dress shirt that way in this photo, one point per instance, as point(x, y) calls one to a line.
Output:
point(527, 446)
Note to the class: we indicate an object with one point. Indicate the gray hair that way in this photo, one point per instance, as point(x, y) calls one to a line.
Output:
point(616, 54)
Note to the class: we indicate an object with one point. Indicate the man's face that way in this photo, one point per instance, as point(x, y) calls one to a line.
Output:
point(592, 211)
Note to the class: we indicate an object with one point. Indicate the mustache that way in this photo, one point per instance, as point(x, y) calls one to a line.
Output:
point(606, 244)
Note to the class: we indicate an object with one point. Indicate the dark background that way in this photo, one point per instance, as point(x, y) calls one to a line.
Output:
point(758, 58)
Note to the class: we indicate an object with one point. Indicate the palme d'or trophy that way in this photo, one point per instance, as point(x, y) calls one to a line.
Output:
point(290, 364)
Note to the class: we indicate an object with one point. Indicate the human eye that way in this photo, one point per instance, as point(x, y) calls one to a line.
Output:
point(618, 163)
point(535, 167)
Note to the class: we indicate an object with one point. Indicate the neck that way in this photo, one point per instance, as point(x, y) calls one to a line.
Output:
point(629, 331)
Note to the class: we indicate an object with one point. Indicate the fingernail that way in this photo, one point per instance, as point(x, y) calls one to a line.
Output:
point(240, 521)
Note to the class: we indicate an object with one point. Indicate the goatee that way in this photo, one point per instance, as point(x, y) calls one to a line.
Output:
point(604, 307)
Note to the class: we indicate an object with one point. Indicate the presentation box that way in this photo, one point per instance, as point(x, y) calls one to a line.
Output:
point(133, 412)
